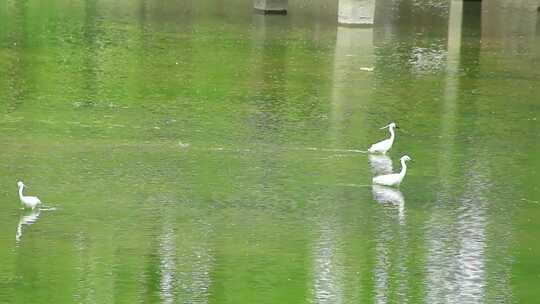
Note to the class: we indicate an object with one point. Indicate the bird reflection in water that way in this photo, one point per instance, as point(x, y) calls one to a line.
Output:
point(380, 164)
point(387, 195)
point(27, 219)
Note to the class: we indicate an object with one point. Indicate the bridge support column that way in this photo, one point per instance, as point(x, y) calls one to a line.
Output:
point(356, 12)
point(271, 6)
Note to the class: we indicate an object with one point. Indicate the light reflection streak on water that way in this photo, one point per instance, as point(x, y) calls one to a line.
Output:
point(382, 266)
point(167, 265)
point(185, 264)
point(390, 273)
point(354, 49)
point(443, 234)
point(200, 275)
point(80, 247)
point(196, 280)
point(402, 262)
point(471, 223)
point(95, 279)
point(456, 263)
point(328, 285)
point(428, 59)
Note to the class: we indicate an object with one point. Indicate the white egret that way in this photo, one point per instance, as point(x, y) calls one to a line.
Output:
point(385, 145)
point(27, 201)
point(395, 178)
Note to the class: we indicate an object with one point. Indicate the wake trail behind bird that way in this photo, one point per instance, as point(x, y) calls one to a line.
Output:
point(227, 149)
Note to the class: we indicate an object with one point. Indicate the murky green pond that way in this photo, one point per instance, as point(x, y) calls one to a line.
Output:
point(196, 152)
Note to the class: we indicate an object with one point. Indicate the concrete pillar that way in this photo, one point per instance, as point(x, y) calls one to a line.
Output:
point(271, 6)
point(356, 12)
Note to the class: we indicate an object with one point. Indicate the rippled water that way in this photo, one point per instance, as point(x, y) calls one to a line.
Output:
point(196, 152)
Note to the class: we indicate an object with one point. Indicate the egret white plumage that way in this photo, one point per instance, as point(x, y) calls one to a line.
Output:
point(27, 201)
point(385, 145)
point(394, 179)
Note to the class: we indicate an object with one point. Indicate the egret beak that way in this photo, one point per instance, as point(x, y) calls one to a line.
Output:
point(385, 127)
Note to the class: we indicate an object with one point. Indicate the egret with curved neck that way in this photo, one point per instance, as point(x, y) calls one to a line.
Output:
point(27, 201)
point(385, 145)
point(394, 179)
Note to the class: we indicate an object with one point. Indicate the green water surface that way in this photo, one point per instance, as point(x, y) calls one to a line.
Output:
point(197, 152)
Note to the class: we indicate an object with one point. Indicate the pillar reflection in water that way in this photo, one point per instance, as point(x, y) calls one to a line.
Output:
point(453, 247)
point(17, 68)
point(350, 88)
point(167, 264)
point(456, 262)
point(391, 270)
point(328, 265)
point(185, 262)
point(449, 107)
point(271, 6)
point(458, 254)
point(381, 273)
point(352, 85)
point(508, 32)
point(196, 266)
point(513, 23)
point(471, 226)
point(356, 12)
point(269, 77)
point(92, 40)
point(454, 47)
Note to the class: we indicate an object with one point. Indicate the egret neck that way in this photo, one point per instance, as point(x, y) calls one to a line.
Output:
point(403, 168)
point(392, 135)
point(20, 192)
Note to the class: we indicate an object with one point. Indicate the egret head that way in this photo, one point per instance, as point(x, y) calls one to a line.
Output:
point(20, 184)
point(392, 125)
point(405, 158)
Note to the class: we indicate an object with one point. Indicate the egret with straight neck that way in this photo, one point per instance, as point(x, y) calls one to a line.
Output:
point(394, 179)
point(385, 145)
point(27, 201)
